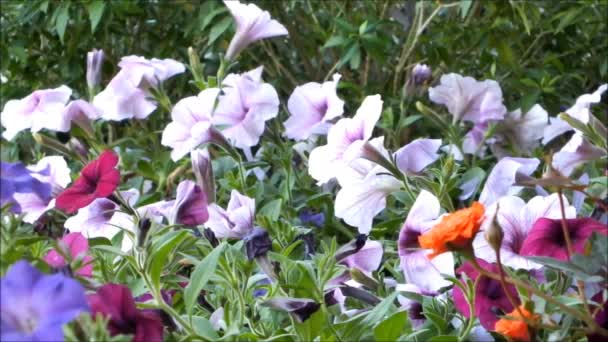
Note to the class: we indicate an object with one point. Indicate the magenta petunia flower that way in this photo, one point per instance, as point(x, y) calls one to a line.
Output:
point(312, 106)
point(190, 205)
point(490, 298)
point(546, 237)
point(35, 306)
point(41, 109)
point(76, 246)
point(252, 24)
point(116, 302)
point(244, 107)
point(98, 179)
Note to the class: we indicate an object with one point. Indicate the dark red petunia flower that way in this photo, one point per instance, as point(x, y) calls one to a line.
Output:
point(546, 238)
point(98, 179)
point(116, 302)
point(490, 298)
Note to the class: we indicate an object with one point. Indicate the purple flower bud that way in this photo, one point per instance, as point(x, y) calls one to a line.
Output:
point(94, 62)
point(142, 232)
point(203, 171)
point(257, 243)
point(308, 216)
point(421, 74)
point(300, 308)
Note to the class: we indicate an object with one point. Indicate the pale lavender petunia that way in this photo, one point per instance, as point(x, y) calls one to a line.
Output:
point(42, 109)
point(503, 177)
point(367, 259)
point(580, 111)
point(416, 266)
point(347, 136)
point(522, 131)
point(576, 152)
point(516, 217)
point(191, 121)
point(468, 99)
point(190, 206)
point(415, 156)
point(234, 222)
point(312, 106)
point(244, 107)
point(252, 24)
point(127, 96)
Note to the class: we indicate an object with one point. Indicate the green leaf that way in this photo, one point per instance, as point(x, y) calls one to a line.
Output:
point(391, 328)
point(355, 60)
point(218, 29)
point(200, 276)
point(160, 254)
point(61, 19)
point(471, 180)
point(465, 6)
point(354, 48)
point(272, 209)
point(381, 310)
point(444, 338)
point(567, 267)
point(409, 120)
point(334, 41)
point(203, 328)
point(95, 9)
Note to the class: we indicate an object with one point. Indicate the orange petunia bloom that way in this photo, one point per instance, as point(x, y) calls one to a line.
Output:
point(454, 231)
point(514, 327)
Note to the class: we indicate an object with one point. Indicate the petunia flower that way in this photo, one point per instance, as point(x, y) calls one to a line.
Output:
point(191, 120)
point(521, 131)
point(576, 152)
point(234, 222)
point(326, 161)
point(504, 175)
point(516, 219)
point(513, 325)
point(244, 107)
point(190, 205)
point(98, 179)
point(35, 306)
point(546, 237)
point(127, 95)
point(17, 178)
point(580, 111)
point(455, 231)
point(41, 109)
point(421, 74)
point(490, 298)
point(76, 246)
point(115, 302)
point(417, 268)
point(252, 24)
point(365, 185)
point(299, 308)
point(312, 106)
point(413, 307)
point(203, 171)
point(468, 99)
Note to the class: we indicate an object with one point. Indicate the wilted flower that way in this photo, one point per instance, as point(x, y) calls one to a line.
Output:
point(490, 298)
point(126, 96)
point(252, 24)
point(326, 161)
point(416, 266)
point(41, 109)
point(191, 122)
point(577, 151)
point(190, 205)
point(503, 177)
point(299, 308)
point(98, 179)
point(469, 99)
point(76, 246)
point(312, 106)
point(35, 306)
point(244, 107)
point(522, 131)
point(236, 221)
point(455, 231)
point(115, 302)
point(257, 243)
point(514, 325)
point(546, 238)
point(94, 63)
point(203, 171)
point(516, 219)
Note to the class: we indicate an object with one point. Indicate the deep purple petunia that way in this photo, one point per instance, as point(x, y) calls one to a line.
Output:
point(35, 306)
point(546, 237)
point(16, 178)
point(490, 298)
point(190, 206)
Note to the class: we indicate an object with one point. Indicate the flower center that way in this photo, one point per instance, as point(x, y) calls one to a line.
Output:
point(26, 323)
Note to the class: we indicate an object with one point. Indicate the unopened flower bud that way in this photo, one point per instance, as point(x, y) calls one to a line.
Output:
point(78, 147)
point(421, 74)
point(257, 243)
point(210, 236)
point(94, 63)
point(142, 231)
point(203, 171)
point(493, 232)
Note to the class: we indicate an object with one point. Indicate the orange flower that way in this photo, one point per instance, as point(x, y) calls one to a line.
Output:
point(513, 325)
point(454, 231)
